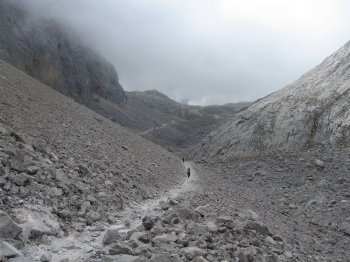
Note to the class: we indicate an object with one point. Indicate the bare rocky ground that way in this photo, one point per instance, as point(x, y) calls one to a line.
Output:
point(77, 187)
point(303, 197)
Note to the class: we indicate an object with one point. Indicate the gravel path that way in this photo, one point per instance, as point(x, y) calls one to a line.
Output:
point(81, 246)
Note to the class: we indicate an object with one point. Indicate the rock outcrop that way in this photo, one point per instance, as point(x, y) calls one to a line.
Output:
point(312, 111)
point(45, 51)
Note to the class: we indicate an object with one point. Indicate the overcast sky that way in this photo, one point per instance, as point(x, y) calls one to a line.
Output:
point(207, 51)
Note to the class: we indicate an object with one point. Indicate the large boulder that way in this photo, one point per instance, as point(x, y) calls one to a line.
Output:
point(112, 235)
point(8, 251)
point(8, 228)
point(37, 222)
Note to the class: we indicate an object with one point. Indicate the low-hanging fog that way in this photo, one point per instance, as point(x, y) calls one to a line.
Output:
point(206, 51)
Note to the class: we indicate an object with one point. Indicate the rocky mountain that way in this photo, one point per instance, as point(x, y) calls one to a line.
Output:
point(166, 122)
point(66, 173)
point(45, 51)
point(312, 111)
point(75, 186)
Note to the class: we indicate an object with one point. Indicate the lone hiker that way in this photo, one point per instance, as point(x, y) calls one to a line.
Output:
point(188, 172)
point(183, 160)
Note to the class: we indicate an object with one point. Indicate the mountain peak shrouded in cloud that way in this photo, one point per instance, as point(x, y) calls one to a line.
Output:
point(212, 52)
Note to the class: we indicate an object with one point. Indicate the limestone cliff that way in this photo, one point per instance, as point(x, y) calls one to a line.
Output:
point(314, 110)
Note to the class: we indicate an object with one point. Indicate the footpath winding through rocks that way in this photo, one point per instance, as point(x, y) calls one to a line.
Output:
point(174, 227)
point(88, 245)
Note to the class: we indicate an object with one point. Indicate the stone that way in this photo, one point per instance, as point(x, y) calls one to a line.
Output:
point(60, 176)
point(148, 222)
point(45, 258)
point(65, 213)
point(16, 243)
point(164, 239)
point(20, 179)
point(93, 216)
point(144, 251)
point(8, 251)
point(186, 213)
point(212, 227)
point(262, 229)
point(83, 169)
point(2, 181)
point(288, 254)
point(125, 147)
point(55, 191)
point(121, 249)
point(140, 236)
point(164, 258)
point(203, 211)
point(319, 163)
point(20, 259)
point(122, 258)
point(84, 207)
point(111, 236)
point(37, 223)
point(270, 240)
point(199, 259)
point(345, 227)
point(8, 228)
point(192, 252)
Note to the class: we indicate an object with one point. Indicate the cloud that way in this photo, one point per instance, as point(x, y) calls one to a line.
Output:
point(208, 51)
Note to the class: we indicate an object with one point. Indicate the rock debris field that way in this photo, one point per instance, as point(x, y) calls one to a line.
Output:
point(77, 187)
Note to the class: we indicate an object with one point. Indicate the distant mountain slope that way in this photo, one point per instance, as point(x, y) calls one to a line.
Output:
point(175, 126)
point(123, 165)
point(314, 110)
point(45, 51)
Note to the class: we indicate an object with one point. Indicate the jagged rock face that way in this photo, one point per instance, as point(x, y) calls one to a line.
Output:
point(44, 51)
point(314, 110)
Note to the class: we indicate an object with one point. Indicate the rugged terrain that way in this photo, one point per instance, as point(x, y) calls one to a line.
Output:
point(312, 111)
point(304, 196)
point(54, 55)
point(160, 119)
point(68, 173)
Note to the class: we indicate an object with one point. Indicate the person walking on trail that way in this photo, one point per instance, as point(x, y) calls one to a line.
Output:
point(183, 160)
point(188, 172)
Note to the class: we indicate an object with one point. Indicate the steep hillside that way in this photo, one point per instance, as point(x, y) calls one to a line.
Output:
point(314, 110)
point(45, 51)
point(49, 135)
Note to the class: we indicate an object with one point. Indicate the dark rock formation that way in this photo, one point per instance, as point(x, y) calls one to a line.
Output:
point(45, 51)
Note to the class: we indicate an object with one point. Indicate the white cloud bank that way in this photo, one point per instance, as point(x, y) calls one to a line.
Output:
point(209, 51)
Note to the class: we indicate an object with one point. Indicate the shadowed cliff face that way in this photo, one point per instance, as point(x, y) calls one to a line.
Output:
point(312, 111)
point(43, 50)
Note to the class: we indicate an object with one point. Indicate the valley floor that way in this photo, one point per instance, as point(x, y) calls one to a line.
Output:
point(304, 197)
point(285, 207)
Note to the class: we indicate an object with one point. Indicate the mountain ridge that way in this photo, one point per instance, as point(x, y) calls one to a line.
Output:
point(300, 115)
